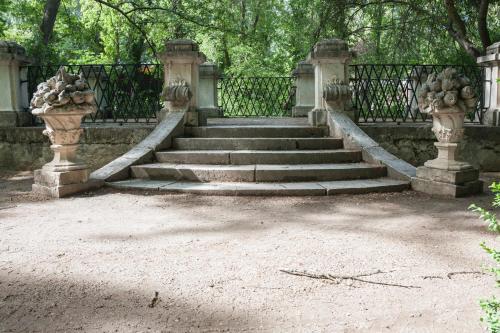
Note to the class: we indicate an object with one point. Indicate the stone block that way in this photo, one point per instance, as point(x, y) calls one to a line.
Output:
point(446, 189)
point(301, 111)
point(318, 117)
point(50, 178)
point(66, 190)
point(61, 184)
point(451, 177)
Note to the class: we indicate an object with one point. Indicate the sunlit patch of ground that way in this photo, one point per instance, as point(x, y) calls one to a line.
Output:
point(93, 262)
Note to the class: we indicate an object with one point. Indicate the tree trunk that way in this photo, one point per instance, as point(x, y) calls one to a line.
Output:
point(49, 19)
point(482, 24)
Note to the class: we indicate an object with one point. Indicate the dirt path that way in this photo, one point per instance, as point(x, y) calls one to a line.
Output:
point(93, 263)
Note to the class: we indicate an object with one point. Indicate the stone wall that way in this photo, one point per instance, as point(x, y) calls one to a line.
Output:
point(26, 148)
point(414, 143)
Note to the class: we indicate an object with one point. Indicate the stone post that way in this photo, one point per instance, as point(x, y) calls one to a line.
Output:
point(331, 58)
point(181, 60)
point(12, 114)
point(418, 76)
point(97, 80)
point(304, 82)
point(491, 90)
point(207, 92)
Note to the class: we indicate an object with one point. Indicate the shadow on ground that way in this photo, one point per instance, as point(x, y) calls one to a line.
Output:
point(53, 304)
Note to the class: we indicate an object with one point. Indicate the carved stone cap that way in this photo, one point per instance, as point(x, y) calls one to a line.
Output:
point(11, 50)
point(182, 48)
point(208, 70)
point(303, 68)
point(181, 45)
point(492, 56)
point(493, 48)
point(330, 48)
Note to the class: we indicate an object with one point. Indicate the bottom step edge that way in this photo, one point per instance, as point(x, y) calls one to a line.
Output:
point(266, 189)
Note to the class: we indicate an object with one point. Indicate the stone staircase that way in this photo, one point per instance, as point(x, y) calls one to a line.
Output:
point(250, 158)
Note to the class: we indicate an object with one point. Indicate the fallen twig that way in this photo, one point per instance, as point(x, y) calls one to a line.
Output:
point(425, 277)
point(154, 300)
point(339, 278)
point(449, 275)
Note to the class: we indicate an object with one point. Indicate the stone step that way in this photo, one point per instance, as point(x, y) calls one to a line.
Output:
point(241, 157)
point(263, 131)
point(266, 189)
point(258, 172)
point(256, 143)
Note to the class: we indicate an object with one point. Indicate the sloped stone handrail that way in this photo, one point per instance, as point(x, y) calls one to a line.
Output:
point(341, 126)
point(161, 138)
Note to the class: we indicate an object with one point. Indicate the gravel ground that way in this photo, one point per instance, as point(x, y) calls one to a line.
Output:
point(93, 263)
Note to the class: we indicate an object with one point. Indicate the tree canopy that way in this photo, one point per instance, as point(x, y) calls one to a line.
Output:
point(251, 37)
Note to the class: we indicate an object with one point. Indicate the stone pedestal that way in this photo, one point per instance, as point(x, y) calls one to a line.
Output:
point(331, 59)
point(12, 113)
point(491, 90)
point(304, 94)
point(447, 97)
point(181, 60)
point(447, 182)
point(207, 93)
point(63, 183)
point(446, 159)
point(62, 102)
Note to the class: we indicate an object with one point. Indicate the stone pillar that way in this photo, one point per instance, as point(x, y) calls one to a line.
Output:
point(12, 114)
point(304, 95)
point(181, 60)
point(97, 79)
point(491, 90)
point(331, 58)
point(207, 92)
point(418, 76)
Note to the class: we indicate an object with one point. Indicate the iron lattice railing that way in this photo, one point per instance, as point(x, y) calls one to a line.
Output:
point(388, 93)
point(123, 92)
point(256, 96)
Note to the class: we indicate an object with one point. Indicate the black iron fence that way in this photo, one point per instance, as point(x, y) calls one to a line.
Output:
point(382, 93)
point(388, 93)
point(123, 92)
point(256, 96)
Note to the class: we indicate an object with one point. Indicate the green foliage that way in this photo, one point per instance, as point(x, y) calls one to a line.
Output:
point(491, 307)
point(4, 7)
point(244, 37)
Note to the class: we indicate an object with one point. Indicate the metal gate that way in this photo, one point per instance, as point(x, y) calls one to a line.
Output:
point(256, 96)
point(388, 93)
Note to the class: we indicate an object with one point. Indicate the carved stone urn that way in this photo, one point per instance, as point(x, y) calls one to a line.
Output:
point(62, 102)
point(447, 97)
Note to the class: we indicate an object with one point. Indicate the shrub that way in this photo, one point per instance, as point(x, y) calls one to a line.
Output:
point(491, 307)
